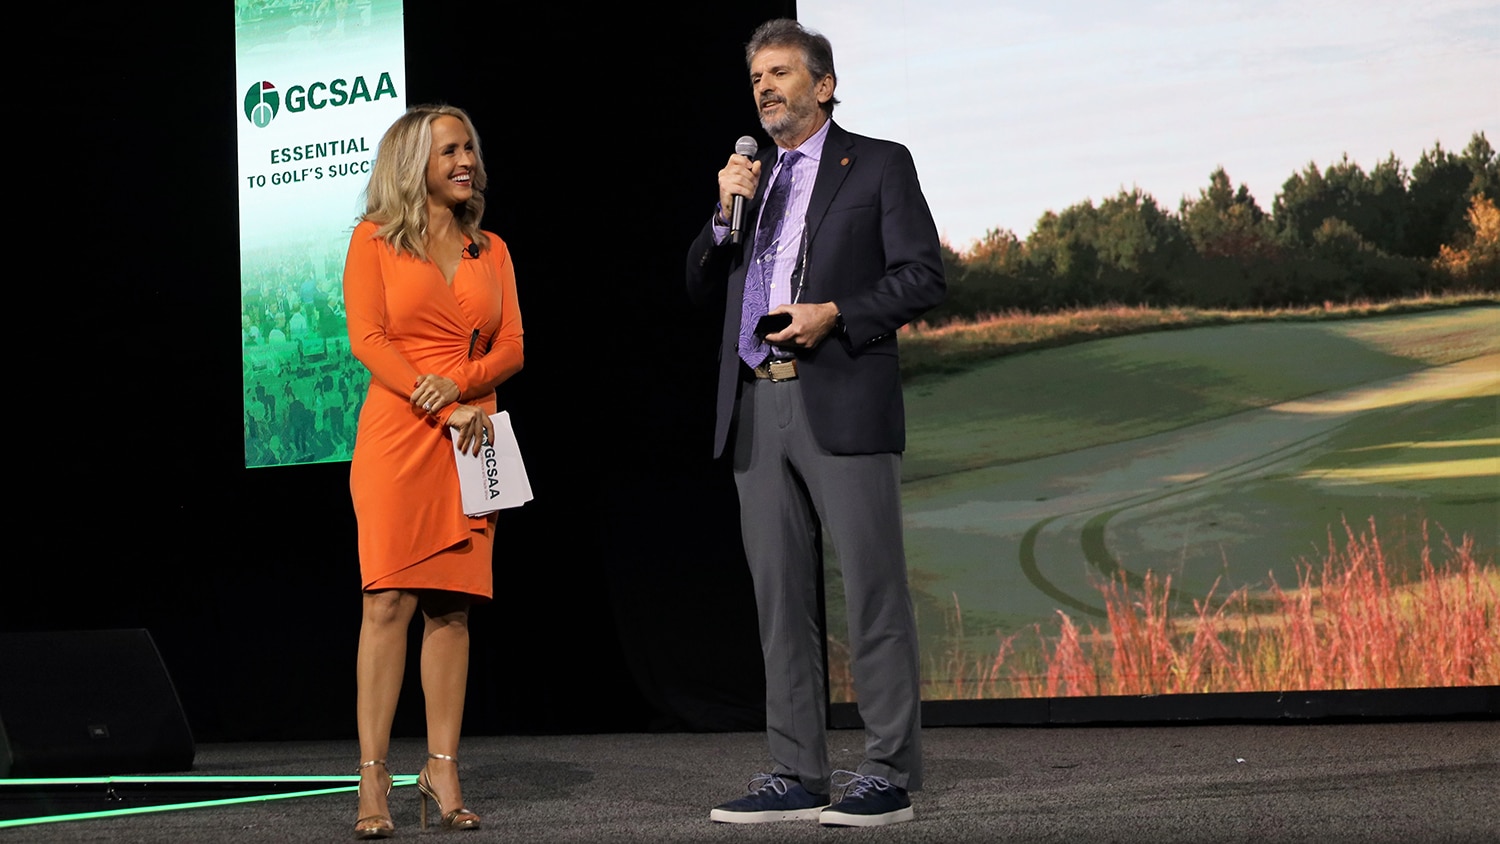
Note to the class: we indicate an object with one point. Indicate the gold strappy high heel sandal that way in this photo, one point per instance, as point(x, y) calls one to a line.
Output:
point(375, 826)
point(459, 818)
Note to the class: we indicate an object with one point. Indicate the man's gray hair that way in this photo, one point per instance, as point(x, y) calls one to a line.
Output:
point(817, 52)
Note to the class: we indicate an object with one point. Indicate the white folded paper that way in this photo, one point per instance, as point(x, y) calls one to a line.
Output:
point(495, 479)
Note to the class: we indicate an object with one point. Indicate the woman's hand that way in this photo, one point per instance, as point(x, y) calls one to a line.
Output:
point(472, 428)
point(434, 392)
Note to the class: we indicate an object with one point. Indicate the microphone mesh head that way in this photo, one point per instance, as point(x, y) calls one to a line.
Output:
point(746, 146)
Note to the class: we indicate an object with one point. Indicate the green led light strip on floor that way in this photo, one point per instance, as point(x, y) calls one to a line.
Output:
point(397, 780)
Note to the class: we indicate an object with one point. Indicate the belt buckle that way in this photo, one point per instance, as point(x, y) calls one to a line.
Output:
point(782, 370)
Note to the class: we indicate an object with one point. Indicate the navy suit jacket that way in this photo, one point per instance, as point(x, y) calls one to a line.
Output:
point(873, 250)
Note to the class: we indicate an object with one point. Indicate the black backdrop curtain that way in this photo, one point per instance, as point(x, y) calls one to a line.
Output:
point(622, 602)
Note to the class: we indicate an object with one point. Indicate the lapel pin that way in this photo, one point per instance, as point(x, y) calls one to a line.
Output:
point(844, 162)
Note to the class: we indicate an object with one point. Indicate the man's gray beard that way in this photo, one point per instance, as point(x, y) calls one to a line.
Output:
point(790, 117)
point(776, 132)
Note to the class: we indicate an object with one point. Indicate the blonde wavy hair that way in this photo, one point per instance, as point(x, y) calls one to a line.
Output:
point(396, 198)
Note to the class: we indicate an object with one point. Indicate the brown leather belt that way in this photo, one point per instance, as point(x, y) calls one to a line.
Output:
point(777, 370)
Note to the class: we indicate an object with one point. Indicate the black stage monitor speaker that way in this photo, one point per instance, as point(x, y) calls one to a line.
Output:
point(88, 703)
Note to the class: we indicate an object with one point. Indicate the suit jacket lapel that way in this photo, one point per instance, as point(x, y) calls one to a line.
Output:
point(838, 159)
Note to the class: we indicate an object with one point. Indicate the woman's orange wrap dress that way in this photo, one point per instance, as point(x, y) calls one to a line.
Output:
point(404, 322)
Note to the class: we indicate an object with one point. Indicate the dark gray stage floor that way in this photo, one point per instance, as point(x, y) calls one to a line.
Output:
point(1369, 782)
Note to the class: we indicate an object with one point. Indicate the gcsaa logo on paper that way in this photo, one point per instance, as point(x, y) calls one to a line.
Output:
point(262, 102)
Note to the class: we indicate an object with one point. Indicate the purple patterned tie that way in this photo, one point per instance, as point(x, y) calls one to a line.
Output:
point(762, 260)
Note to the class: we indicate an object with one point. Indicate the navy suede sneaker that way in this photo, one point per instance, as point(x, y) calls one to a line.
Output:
point(867, 801)
point(772, 798)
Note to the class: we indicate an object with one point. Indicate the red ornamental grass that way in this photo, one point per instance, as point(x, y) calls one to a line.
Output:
point(1351, 622)
point(1069, 672)
point(1347, 624)
point(1351, 627)
point(1462, 608)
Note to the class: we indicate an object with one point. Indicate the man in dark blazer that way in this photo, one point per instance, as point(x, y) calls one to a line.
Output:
point(839, 239)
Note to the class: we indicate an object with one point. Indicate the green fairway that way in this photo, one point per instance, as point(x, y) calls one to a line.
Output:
point(1217, 455)
point(1059, 400)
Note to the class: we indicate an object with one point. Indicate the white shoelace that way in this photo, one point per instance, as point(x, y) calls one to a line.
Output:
point(856, 784)
point(761, 782)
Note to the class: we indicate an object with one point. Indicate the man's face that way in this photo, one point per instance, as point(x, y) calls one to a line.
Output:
point(786, 94)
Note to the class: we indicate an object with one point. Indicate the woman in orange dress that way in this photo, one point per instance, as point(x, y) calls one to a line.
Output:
point(431, 306)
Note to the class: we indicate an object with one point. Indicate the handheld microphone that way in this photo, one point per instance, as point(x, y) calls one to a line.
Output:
point(745, 146)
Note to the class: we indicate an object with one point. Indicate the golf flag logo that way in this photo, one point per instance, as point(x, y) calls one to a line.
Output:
point(262, 101)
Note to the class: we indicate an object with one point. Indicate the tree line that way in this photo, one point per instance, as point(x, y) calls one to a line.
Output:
point(1338, 233)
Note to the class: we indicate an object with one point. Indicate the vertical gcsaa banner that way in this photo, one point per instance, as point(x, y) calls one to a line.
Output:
point(317, 85)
